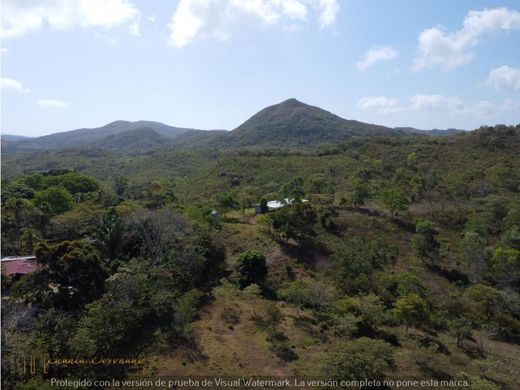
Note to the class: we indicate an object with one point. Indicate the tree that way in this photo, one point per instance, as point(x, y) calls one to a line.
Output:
point(120, 185)
point(111, 233)
point(263, 206)
point(483, 306)
point(505, 264)
point(293, 190)
point(77, 223)
point(394, 200)
point(410, 309)
point(157, 230)
point(55, 200)
point(294, 292)
point(247, 198)
point(425, 242)
point(252, 292)
point(319, 294)
point(158, 193)
point(251, 268)
point(18, 215)
point(408, 283)
point(461, 329)
point(360, 193)
point(472, 252)
point(74, 182)
point(511, 238)
point(71, 275)
point(431, 180)
point(368, 309)
point(345, 325)
point(29, 239)
point(360, 359)
point(227, 201)
point(295, 222)
point(484, 301)
point(356, 262)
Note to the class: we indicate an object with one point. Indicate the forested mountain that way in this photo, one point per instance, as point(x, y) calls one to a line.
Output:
point(405, 260)
point(293, 123)
point(289, 124)
point(90, 137)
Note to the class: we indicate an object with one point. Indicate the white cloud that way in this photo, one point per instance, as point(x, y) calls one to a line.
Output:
point(504, 76)
point(377, 102)
point(12, 84)
point(453, 49)
point(435, 102)
point(329, 11)
point(51, 103)
point(376, 54)
point(212, 18)
point(481, 109)
point(509, 104)
point(21, 17)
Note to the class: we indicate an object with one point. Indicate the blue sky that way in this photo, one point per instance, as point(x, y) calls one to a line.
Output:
point(211, 64)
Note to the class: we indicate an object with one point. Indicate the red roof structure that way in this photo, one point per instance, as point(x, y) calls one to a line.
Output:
point(19, 265)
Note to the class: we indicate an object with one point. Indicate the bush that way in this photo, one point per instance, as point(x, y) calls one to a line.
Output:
point(251, 268)
point(360, 359)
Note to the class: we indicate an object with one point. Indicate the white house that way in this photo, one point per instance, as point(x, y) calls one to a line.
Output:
point(276, 204)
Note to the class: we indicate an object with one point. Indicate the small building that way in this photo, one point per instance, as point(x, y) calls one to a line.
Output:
point(215, 214)
point(273, 205)
point(19, 265)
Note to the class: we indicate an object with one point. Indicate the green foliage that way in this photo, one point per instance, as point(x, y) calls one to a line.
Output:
point(227, 201)
point(74, 183)
point(355, 263)
point(309, 292)
point(472, 252)
point(360, 359)
point(159, 261)
point(408, 283)
point(295, 222)
point(54, 200)
point(293, 190)
point(263, 206)
point(367, 309)
point(158, 193)
point(71, 275)
point(111, 233)
point(251, 268)
point(511, 238)
point(346, 325)
point(411, 309)
point(361, 191)
point(461, 329)
point(394, 200)
point(425, 242)
point(83, 220)
point(505, 264)
point(484, 300)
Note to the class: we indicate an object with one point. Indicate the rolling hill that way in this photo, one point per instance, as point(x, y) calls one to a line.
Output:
point(90, 137)
point(289, 124)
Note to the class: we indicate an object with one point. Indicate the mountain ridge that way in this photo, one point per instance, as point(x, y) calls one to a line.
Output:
point(290, 123)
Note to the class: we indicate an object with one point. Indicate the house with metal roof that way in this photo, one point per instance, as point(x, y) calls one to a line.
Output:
point(18, 265)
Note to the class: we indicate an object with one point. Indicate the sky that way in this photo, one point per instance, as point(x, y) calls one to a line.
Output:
point(211, 64)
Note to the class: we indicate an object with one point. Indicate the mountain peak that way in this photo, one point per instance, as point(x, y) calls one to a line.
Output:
point(292, 122)
point(291, 101)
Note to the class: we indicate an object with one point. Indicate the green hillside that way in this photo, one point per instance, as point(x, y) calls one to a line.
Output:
point(405, 261)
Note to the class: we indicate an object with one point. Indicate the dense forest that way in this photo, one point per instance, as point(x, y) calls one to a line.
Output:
point(397, 257)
